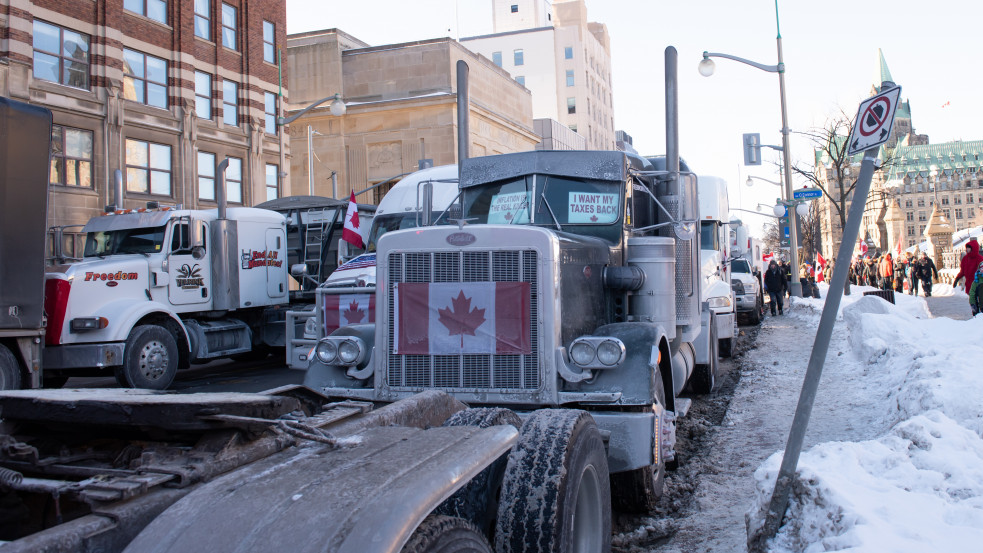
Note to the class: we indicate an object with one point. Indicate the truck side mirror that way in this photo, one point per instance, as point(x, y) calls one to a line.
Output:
point(298, 269)
point(197, 235)
point(344, 252)
point(427, 211)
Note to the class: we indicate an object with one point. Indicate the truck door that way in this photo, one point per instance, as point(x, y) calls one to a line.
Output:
point(189, 271)
point(276, 263)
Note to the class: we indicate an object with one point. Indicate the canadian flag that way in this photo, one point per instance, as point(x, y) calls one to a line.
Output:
point(352, 233)
point(767, 257)
point(862, 247)
point(450, 318)
point(820, 260)
point(898, 248)
point(347, 309)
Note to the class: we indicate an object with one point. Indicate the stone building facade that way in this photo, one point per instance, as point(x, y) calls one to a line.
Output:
point(552, 50)
point(401, 102)
point(916, 177)
point(160, 90)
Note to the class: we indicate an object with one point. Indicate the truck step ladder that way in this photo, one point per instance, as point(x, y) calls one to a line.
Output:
point(314, 233)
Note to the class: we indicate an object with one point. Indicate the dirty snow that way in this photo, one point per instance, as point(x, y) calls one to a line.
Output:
point(908, 475)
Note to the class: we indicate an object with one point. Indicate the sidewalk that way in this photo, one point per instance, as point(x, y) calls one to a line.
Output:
point(955, 307)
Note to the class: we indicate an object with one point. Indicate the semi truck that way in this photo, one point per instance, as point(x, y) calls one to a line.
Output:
point(25, 137)
point(715, 270)
point(746, 273)
point(571, 281)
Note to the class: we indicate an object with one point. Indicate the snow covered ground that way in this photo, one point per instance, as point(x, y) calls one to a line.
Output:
point(894, 458)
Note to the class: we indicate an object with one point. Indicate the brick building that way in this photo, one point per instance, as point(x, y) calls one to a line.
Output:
point(159, 89)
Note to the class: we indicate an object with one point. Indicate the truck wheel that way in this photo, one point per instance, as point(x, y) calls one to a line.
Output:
point(705, 376)
point(726, 346)
point(556, 496)
point(150, 359)
point(443, 534)
point(9, 370)
point(477, 501)
point(755, 316)
point(637, 491)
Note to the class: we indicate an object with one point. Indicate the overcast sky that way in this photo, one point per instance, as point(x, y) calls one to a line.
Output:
point(830, 51)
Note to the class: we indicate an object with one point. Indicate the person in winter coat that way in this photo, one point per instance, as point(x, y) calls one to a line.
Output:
point(886, 271)
point(912, 281)
point(969, 263)
point(870, 272)
point(976, 291)
point(899, 274)
point(775, 283)
point(925, 270)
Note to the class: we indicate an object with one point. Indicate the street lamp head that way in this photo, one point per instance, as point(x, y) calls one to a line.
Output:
point(779, 210)
point(706, 66)
point(338, 107)
point(802, 209)
point(749, 182)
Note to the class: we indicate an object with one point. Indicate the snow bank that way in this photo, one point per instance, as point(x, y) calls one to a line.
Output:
point(919, 487)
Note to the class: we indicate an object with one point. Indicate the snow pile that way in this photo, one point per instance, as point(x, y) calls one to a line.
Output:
point(917, 488)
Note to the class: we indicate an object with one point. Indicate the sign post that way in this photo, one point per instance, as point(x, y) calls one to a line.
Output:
point(871, 129)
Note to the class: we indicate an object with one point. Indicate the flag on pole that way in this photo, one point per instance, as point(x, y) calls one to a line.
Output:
point(898, 247)
point(820, 260)
point(863, 247)
point(352, 233)
point(767, 257)
point(453, 318)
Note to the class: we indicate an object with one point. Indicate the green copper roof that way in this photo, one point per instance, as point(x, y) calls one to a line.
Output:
point(945, 157)
point(885, 72)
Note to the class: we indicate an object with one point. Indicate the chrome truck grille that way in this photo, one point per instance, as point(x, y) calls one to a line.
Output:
point(503, 373)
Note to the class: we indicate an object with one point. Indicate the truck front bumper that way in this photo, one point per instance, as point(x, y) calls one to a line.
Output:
point(83, 356)
point(746, 302)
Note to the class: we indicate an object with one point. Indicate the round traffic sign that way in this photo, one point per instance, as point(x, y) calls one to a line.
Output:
point(874, 117)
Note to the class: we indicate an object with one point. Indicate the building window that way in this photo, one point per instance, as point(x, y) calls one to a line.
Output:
point(230, 103)
point(910, 216)
point(921, 186)
point(921, 216)
point(571, 105)
point(521, 80)
point(957, 199)
point(908, 203)
point(144, 79)
point(573, 128)
point(203, 19)
point(921, 229)
point(233, 181)
point(269, 107)
point(148, 167)
point(206, 176)
point(969, 198)
point(959, 213)
point(945, 200)
point(497, 58)
point(269, 42)
point(153, 9)
point(569, 77)
point(228, 26)
point(61, 55)
point(203, 95)
point(71, 157)
point(515, 8)
point(971, 213)
point(272, 181)
point(921, 202)
point(518, 57)
point(946, 213)
point(568, 53)
point(911, 231)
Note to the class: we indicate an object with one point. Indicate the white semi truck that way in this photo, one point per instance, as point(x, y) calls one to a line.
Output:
point(715, 268)
point(746, 272)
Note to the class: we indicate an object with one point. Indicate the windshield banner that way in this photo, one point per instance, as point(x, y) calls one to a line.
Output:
point(510, 209)
point(586, 207)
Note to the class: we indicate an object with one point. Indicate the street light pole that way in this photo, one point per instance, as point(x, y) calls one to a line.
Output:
point(706, 69)
point(338, 108)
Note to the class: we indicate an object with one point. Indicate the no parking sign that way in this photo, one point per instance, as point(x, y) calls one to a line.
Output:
point(874, 121)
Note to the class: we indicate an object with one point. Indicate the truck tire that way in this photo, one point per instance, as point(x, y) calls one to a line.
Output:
point(638, 490)
point(705, 376)
point(9, 370)
point(556, 496)
point(443, 534)
point(755, 317)
point(477, 501)
point(150, 359)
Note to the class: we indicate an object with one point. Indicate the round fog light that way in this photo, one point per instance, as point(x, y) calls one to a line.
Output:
point(326, 351)
point(310, 328)
point(582, 353)
point(348, 351)
point(609, 352)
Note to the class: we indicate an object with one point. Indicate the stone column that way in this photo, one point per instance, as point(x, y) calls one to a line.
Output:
point(939, 235)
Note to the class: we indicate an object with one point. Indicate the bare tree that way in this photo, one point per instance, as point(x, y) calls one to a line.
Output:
point(772, 237)
point(809, 232)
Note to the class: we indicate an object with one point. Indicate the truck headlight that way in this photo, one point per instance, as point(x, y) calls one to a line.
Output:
point(310, 328)
point(350, 351)
point(719, 301)
point(582, 352)
point(610, 352)
point(326, 351)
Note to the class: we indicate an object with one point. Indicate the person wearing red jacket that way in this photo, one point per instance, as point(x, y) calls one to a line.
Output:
point(969, 263)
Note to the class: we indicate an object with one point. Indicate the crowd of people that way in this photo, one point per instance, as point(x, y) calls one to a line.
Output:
point(903, 274)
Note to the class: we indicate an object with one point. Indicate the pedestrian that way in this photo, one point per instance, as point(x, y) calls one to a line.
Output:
point(887, 272)
point(968, 264)
point(976, 291)
point(786, 268)
point(926, 271)
point(775, 283)
point(870, 272)
point(912, 279)
point(899, 274)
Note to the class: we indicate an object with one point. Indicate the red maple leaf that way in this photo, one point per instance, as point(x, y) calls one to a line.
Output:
point(593, 218)
point(353, 314)
point(354, 218)
point(461, 319)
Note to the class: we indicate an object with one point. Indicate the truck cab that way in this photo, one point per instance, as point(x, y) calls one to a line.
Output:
point(714, 261)
point(155, 290)
point(746, 273)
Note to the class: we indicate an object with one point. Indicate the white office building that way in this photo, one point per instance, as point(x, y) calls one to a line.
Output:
point(565, 62)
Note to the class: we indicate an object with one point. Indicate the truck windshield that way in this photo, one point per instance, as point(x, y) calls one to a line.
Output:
point(547, 200)
point(382, 224)
point(136, 240)
point(739, 266)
